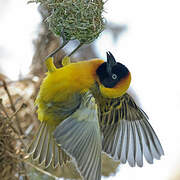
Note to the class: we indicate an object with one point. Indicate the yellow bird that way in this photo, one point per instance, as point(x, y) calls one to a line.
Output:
point(84, 110)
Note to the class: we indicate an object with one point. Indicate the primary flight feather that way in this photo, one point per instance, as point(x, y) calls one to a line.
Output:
point(84, 110)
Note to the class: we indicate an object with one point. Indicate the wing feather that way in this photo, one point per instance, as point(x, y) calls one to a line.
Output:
point(145, 142)
point(138, 146)
point(39, 146)
point(127, 134)
point(35, 141)
point(131, 146)
point(44, 149)
point(124, 144)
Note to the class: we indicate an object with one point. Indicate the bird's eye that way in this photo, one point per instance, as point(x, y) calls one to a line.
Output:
point(114, 76)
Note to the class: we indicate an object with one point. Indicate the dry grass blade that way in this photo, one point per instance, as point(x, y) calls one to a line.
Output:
point(12, 106)
point(11, 142)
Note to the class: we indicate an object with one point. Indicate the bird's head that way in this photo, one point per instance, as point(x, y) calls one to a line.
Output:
point(113, 77)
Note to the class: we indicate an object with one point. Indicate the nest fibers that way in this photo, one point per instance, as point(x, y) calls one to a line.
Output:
point(8, 161)
point(75, 19)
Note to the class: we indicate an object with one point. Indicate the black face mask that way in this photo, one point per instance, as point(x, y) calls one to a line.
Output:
point(111, 72)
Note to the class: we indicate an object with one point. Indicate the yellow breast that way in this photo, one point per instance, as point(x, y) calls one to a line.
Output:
point(62, 83)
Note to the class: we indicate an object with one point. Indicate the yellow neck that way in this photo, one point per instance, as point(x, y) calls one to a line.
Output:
point(118, 90)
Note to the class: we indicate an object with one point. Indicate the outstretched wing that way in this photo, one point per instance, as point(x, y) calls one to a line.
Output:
point(127, 134)
point(79, 136)
point(43, 149)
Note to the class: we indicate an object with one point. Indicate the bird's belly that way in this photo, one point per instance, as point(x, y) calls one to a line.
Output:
point(54, 111)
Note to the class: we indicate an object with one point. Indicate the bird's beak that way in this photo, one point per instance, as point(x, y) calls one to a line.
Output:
point(110, 61)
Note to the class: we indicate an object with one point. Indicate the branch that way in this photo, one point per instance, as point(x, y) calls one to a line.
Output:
point(12, 107)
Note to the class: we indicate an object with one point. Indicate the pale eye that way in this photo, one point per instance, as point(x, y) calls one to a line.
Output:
point(114, 76)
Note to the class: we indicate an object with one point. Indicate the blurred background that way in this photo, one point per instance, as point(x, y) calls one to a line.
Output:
point(144, 35)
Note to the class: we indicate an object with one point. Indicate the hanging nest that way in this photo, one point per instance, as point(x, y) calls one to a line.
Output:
point(75, 19)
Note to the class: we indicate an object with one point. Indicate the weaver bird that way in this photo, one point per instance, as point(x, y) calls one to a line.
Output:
point(84, 110)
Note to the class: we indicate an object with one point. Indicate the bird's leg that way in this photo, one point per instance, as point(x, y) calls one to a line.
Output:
point(75, 49)
point(56, 50)
point(50, 65)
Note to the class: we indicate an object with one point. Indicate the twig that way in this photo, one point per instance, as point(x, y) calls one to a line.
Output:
point(21, 80)
point(20, 108)
point(56, 50)
point(25, 175)
point(22, 164)
point(12, 107)
point(8, 120)
point(75, 49)
point(3, 109)
point(19, 132)
point(9, 95)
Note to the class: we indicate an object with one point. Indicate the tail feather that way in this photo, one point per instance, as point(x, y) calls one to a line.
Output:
point(44, 150)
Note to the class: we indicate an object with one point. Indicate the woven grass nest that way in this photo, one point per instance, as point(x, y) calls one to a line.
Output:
point(75, 19)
